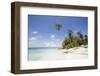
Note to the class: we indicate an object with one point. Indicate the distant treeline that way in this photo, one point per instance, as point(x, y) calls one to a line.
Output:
point(71, 41)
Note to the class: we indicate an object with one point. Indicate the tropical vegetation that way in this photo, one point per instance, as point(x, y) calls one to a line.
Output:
point(71, 41)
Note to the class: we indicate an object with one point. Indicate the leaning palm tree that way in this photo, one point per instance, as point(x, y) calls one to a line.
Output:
point(58, 26)
point(80, 36)
point(70, 35)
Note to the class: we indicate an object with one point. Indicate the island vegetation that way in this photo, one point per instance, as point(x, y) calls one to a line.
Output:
point(71, 40)
point(74, 41)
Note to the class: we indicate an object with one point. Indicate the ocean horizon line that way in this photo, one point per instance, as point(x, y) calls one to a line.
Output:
point(42, 47)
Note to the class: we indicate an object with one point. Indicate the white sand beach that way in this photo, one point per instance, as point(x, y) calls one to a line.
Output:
point(65, 54)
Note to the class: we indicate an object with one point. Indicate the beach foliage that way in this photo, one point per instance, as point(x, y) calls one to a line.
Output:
point(71, 41)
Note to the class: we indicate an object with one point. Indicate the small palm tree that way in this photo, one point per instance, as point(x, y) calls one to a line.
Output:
point(85, 39)
point(70, 35)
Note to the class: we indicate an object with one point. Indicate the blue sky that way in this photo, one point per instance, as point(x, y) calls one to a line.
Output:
point(42, 31)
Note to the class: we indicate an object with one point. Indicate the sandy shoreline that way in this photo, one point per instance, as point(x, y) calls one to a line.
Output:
point(67, 54)
point(76, 53)
point(78, 50)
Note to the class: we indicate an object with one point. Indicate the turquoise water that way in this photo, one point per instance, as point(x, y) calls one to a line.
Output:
point(39, 53)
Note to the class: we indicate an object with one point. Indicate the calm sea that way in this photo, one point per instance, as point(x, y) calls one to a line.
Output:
point(40, 53)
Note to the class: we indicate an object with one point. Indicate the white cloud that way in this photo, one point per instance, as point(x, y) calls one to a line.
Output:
point(35, 32)
point(53, 36)
point(33, 38)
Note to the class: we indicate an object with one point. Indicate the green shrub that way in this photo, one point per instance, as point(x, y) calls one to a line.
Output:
point(75, 42)
point(70, 45)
